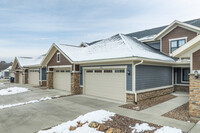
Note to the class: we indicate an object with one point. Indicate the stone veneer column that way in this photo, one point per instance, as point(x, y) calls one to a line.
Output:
point(26, 77)
point(16, 77)
point(75, 83)
point(194, 97)
point(50, 80)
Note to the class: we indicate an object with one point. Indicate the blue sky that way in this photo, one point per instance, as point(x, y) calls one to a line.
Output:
point(29, 27)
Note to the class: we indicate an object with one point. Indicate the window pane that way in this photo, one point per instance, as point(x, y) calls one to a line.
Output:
point(185, 74)
point(181, 42)
point(174, 44)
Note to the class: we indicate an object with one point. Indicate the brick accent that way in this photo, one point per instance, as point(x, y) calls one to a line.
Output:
point(196, 60)
point(50, 80)
point(16, 77)
point(75, 83)
point(149, 94)
point(181, 88)
point(63, 60)
point(178, 32)
point(194, 97)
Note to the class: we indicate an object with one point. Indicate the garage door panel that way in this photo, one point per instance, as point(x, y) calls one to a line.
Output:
point(107, 85)
point(62, 79)
point(33, 77)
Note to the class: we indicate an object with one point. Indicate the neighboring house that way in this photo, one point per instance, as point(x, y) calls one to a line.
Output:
point(6, 73)
point(130, 67)
point(28, 71)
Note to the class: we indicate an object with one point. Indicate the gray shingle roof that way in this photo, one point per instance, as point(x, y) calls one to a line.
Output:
point(154, 31)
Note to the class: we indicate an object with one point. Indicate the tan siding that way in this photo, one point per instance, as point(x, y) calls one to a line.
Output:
point(178, 32)
point(63, 60)
point(196, 60)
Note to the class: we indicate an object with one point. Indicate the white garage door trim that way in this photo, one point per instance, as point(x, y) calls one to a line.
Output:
point(31, 79)
point(59, 78)
point(106, 67)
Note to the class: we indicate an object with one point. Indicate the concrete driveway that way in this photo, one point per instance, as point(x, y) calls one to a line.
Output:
point(33, 117)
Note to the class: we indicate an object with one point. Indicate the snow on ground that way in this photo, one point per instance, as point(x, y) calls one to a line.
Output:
point(13, 90)
point(145, 127)
point(99, 116)
point(24, 103)
point(166, 129)
point(142, 127)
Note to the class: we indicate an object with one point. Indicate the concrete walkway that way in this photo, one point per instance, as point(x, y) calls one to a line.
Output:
point(195, 129)
point(167, 106)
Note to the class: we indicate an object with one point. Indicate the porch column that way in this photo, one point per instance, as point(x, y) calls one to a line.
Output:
point(16, 77)
point(75, 83)
point(194, 98)
point(50, 79)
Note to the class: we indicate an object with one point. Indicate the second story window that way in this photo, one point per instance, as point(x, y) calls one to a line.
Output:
point(58, 57)
point(174, 44)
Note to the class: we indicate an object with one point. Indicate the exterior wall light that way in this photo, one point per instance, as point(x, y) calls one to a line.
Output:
point(128, 72)
point(196, 75)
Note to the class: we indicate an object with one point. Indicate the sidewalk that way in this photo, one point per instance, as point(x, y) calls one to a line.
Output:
point(195, 129)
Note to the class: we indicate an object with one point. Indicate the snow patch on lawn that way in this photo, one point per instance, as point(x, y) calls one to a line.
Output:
point(142, 127)
point(167, 129)
point(13, 90)
point(24, 103)
point(99, 116)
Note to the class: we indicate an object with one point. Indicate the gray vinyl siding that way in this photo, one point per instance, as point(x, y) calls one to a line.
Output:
point(44, 73)
point(178, 70)
point(152, 76)
point(128, 77)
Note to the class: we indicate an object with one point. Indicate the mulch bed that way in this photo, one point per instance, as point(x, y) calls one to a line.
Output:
point(124, 123)
point(148, 103)
point(181, 113)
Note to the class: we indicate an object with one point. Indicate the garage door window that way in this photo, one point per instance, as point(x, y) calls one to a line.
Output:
point(119, 71)
point(89, 71)
point(67, 70)
point(98, 71)
point(62, 71)
point(107, 71)
point(57, 70)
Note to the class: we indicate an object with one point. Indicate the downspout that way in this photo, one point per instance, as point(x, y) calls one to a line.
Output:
point(135, 79)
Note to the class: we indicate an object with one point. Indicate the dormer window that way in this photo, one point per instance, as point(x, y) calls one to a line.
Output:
point(176, 43)
point(58, 57)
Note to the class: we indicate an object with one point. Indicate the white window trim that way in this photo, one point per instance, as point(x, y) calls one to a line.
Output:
point(182, 75)
point(57, 57)
point(174, 39)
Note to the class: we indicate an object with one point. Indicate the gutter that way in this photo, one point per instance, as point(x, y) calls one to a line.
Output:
point(135, 79)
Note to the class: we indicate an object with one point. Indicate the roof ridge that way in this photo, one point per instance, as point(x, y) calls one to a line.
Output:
point(69, 45)
point(121, 35)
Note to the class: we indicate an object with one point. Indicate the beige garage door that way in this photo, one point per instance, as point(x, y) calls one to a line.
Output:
point(20, 78)
point(33, 77)
point(62, 79)
point(107, 83)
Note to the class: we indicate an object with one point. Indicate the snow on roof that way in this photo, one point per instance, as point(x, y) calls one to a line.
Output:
point(117, 46)
point(7, 69)
point(30, 61)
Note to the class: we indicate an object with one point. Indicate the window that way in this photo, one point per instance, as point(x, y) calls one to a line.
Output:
point(185, 74)
point(107, 71)
point(67, 70)
point(62, 71)
point(119, 71)
point(58, 57)
point(98, 71)
point(174, 44)
point(57, 70)
point(89, 71)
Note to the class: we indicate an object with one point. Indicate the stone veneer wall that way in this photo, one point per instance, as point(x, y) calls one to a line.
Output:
point(194, 97)
point(43, 83)
point(16, 77)
point(75, 83)
point(149, 94)
point(181, 88)
point(50, 80)
point(26, 78)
